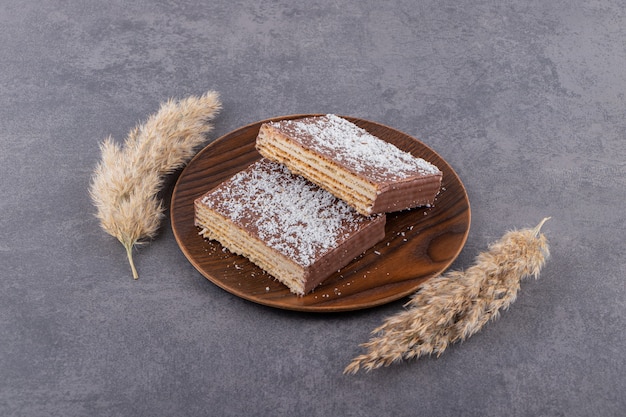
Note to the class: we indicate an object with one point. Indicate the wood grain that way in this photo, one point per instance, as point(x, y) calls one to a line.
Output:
point(419, 243)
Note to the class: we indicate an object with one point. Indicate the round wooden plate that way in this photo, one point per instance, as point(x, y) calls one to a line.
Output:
point(419, 244)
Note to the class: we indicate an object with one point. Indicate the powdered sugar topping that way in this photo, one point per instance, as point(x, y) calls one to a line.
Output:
point(355, 148)
point(286, 211)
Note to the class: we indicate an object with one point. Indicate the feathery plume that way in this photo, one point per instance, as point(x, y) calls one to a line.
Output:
point(452, 307)
point(125, 184)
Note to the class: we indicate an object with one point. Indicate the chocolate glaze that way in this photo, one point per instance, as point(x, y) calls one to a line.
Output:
point(407, 194)
point(344, 253)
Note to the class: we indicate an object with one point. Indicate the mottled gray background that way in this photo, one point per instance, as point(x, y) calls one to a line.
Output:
point(525, 99)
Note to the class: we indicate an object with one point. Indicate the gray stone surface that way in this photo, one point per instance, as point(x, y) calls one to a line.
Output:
point(525, 99)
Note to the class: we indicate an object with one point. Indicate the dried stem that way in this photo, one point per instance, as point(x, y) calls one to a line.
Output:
point(126, 182)
point(454, 306)
point(129, 254)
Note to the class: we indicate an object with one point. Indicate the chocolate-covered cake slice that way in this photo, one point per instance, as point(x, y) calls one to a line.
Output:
point(370, 174)
point(291, 228)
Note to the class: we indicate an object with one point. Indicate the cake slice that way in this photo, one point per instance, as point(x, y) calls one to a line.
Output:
point(288, 226)
point(370, 174)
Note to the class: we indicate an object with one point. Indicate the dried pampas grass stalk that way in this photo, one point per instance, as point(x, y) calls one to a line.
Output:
point(125, 184)
point(454, 306)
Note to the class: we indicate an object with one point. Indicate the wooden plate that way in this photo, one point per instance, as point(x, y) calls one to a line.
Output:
point(419, 243)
